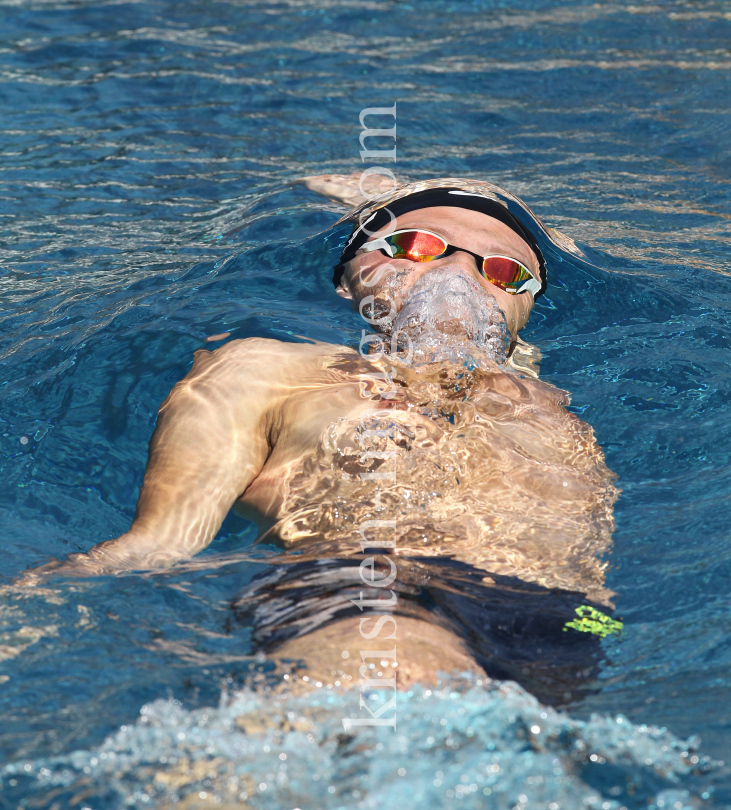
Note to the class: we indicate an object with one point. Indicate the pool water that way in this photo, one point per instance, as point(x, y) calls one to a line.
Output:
point(147, 153)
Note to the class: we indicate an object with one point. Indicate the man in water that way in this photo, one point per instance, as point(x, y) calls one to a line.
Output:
point(434, 480)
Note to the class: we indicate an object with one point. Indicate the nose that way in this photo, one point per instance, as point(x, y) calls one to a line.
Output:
point(466, 260)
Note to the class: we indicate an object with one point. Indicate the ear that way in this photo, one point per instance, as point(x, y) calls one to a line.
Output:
point(343, 291)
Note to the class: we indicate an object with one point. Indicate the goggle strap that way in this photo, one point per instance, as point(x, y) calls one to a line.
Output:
point(378, 244)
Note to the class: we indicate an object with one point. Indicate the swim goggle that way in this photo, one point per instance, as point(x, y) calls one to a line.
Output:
point(424, 246)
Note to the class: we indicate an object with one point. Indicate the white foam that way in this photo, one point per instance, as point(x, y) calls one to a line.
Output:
point(447, 315)
point(466, 740)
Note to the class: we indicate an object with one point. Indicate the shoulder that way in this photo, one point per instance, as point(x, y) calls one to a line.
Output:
point(255, 347)
point(259, 361)
point(270, 353)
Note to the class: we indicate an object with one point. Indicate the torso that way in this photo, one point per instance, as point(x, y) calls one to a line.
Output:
point(486, 466)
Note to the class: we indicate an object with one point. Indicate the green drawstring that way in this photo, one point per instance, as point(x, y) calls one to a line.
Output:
point(594, 621)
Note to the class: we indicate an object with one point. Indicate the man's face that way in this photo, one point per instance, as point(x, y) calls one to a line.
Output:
point(395, 280)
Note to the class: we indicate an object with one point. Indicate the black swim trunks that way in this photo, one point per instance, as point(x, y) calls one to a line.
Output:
point(548, 640)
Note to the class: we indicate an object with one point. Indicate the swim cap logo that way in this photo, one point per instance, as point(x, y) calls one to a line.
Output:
point(594, 621)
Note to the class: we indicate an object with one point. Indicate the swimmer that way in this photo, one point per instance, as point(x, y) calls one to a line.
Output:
point(436, 460)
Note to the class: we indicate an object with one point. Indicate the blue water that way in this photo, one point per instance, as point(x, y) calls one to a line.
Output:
point(146, 158)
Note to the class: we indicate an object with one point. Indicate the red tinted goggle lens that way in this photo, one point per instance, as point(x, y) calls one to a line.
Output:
point(504, 271)
point(417, 245)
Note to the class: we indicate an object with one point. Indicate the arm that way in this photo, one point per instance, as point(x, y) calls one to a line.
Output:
point(211, 441)
point(345, 188)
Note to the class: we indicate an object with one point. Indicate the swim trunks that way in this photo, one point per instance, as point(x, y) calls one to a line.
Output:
point(548, 640)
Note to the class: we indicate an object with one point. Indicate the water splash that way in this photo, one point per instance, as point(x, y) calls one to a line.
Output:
point(486, 744)
point(448, 315)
